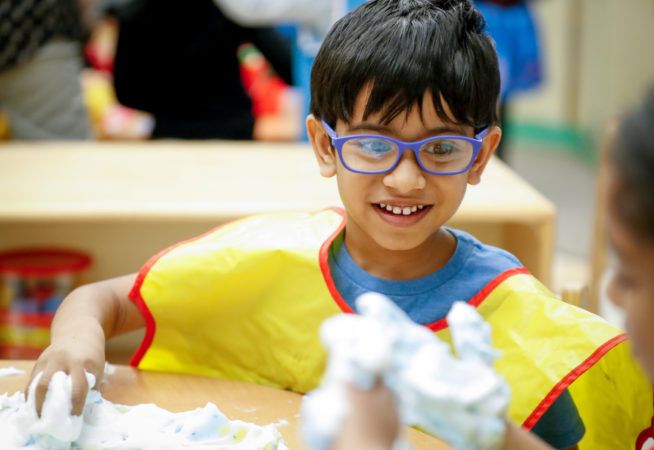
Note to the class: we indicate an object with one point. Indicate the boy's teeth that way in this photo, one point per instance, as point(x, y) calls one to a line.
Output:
point(405, 211)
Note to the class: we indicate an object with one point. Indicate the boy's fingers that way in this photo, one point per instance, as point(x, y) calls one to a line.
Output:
point(98, 377)
point(35, 371)
point(40, 392)
point(79, 390)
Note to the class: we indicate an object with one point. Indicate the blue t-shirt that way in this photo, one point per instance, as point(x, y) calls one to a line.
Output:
point(429, 298)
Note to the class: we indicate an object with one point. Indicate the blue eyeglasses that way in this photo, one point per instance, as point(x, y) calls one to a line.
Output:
point(376, 154)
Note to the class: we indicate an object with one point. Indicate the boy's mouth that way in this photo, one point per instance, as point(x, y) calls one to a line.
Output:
point(401, 215)
point(399, 210)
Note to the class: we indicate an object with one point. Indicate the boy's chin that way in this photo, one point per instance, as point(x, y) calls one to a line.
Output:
point(398, 245)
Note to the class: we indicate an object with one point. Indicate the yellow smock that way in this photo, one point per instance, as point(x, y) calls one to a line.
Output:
point(246, 300)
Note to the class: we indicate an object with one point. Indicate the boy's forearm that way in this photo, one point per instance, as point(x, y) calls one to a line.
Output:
point(81, 316)
point(519, 439)
point(96, 312)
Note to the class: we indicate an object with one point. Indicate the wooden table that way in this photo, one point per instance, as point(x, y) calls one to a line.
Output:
point(123, 202)
point(237, 400)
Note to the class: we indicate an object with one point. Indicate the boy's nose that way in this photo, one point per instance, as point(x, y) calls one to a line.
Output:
point(407, 176)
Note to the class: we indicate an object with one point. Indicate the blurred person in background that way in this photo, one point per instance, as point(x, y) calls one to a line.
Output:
point(512, 26)
point(178, 61)
point(40, 63)
point(311, 19)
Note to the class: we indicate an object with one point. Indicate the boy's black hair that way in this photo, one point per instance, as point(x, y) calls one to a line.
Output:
point(632, 158)
point(403, 49)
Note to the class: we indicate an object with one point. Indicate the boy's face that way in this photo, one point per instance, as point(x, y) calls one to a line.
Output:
point(432, 199)
point(632, 285)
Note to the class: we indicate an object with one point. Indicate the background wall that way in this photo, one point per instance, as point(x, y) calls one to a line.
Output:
point(598, 61)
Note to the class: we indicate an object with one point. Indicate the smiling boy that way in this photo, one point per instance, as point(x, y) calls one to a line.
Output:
point(404, 97)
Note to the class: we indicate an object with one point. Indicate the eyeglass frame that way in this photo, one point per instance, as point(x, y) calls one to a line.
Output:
point(338, 141)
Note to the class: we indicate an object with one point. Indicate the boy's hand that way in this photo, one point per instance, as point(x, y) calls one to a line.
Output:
point(459, 398)
point(72, 355)
point(87, 316)
point(372, 421)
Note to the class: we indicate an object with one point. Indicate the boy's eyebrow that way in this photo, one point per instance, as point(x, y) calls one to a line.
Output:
point(382, 128)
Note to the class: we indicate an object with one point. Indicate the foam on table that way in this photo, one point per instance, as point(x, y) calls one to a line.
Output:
point(10, 371)
point(105, 425)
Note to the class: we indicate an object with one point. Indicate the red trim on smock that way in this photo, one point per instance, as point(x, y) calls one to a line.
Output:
point(135, 296)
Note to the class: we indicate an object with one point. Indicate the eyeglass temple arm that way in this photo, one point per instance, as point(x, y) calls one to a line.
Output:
point(482, 134)
point(330, 131)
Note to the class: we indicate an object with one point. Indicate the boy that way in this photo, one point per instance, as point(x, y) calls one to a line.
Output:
point(403, 114)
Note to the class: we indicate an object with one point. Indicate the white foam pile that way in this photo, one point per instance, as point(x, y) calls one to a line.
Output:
point(459, 398)
point(105, 425)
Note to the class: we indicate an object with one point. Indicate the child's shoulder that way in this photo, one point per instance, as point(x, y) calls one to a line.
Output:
point(482, 258)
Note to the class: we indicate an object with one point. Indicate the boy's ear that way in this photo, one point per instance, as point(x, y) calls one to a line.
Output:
point(491, 141)
point(322, 147)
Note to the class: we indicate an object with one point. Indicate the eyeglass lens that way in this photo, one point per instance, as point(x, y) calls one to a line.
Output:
point(378, 154)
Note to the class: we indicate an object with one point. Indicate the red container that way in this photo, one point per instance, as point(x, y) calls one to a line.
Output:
point(33, 282)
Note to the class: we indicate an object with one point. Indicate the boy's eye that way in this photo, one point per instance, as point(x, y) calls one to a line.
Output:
point(372, 146)
point(441, 148)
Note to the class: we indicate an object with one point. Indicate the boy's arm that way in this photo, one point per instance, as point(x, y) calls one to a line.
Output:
point(518, 439)
point(86, 318)
point(372, 424)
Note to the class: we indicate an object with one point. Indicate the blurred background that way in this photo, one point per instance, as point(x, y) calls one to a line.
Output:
point(149, 70)
point(597, 62)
